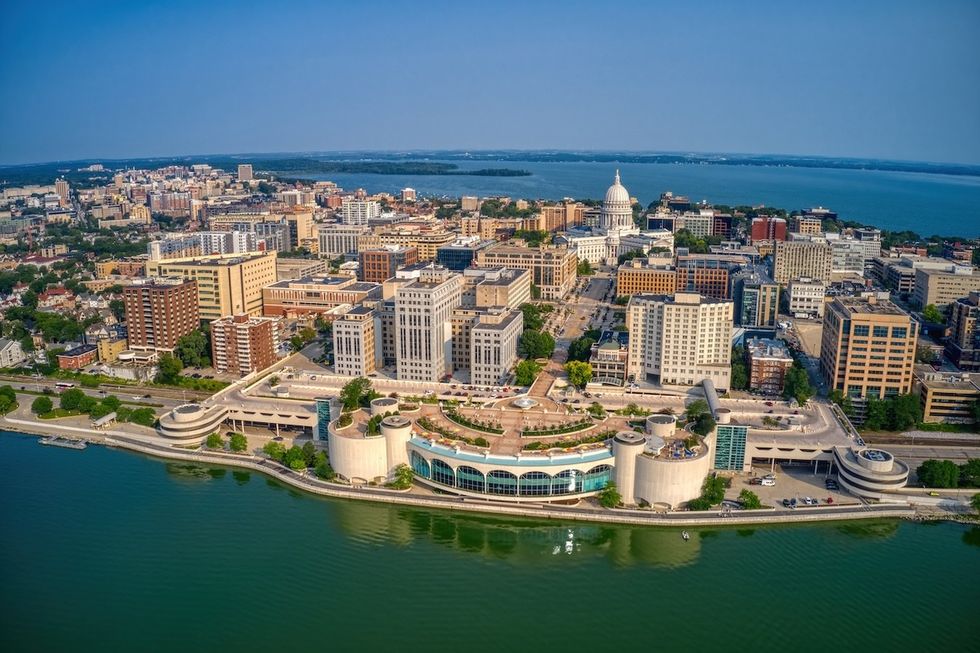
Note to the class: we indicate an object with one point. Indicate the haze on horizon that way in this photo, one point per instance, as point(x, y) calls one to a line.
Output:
point(890, 80)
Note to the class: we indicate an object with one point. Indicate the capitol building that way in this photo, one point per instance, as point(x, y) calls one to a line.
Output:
point(617, 234)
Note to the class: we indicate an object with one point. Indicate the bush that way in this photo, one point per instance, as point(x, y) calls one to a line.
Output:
point(215, 441)
point(609, 496)
point(275, 450)
point(749, 500)
point(403, 477)
point(238, 442)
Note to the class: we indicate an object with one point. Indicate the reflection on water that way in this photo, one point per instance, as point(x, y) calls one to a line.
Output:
point(241, 477)
point(972, 536)
point(192, 471)
point(870, 529)
point(516, 541)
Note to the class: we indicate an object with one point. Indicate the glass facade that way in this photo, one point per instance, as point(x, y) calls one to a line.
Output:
point(505, 483)
point(322, 418)
point(730, 447)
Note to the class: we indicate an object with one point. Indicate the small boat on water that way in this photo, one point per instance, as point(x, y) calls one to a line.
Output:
point(67, 443)
point(685, 535)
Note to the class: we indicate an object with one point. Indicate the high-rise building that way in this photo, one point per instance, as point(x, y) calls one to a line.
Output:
point(226, 285)
point(244, 172)
point(359, 212)
point(867, 347)
point(469, 203)
point(356, 342)
point(408, 195)
point(63, 190)
point(767, 227)
point(493, 345)
point(680, 340)
point(245, 343)
point(339, 239)
point(707, 274)
point(160, 312)
point(756, 297)
point(963, 344)
point(423, 324)
point(802, 258)
point(496, 287)
point(808, 225)
point(379, 265)
point(805, 297)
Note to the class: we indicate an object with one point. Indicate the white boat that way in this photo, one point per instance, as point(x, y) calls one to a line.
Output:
point(685, 535)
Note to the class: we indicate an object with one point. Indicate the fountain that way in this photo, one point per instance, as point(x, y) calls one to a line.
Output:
point(524, 403)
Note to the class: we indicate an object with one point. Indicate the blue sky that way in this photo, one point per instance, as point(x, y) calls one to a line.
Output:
point(122, 79)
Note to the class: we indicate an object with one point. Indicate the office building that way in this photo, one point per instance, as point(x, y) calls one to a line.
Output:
point(459, 255)
point(653, 275)
point(379, 265)
point(767, 361)
point(807, 225)
point(356, 342)
point(244, 172)
point(160, 312)
point(963, 343)
point(423, 324)
point(501, 287)
point(226, 285)
point(315, 295)
point(553, 269)
point(493, 345)
point(408, 195)
point(756, 297)
point(805, 297)
point(867, 347)
point(707, 274)
point(944, 286)
point(802, 258)
point(946, 396)
point(242, 343)
point(680, 340)
point(561, 217)
point(338, 240)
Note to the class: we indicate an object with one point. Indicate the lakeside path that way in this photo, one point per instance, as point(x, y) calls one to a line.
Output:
point(142, 443)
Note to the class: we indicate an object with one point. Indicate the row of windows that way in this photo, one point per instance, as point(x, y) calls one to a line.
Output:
point(502, 482)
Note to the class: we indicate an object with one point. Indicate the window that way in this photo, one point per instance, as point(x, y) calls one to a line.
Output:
point(881, 332)
point(861, 329)
point(443, 473)
point(501, 482)
point(420, 465)
point(471, 479)
point(899, 332)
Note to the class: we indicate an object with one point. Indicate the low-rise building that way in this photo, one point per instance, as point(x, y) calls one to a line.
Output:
point(653, 275)
point(315, 295)
point(768, 361)
point(554, 270)
point(946, 396)
point(108, 349)
point(77, 358)
point(11, 353)
point(944, 286)
point(380, 264)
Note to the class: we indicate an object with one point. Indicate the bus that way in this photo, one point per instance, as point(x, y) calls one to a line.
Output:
point(64, 385)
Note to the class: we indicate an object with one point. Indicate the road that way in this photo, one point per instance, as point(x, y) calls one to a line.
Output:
point(124, 391)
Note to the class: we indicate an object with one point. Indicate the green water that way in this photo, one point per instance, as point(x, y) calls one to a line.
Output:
point(106, 550)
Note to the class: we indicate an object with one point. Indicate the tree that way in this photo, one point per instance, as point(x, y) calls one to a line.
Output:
point(112, 401)
point(353, 393)
point(970, 473)
point(309, 453)
point(875, 414)
point(696, 409)
point(536, 344)
point(844, 401)
point(215, 441)
point(925, 355)
point(584, 268)
point(194, 349)
point(933, 315)
point(581, 349)
point(609, 496)
point(525, 372)
point(796, 385)
point(324, 470)
point(532, 317)
point(938, 473)
point(904, 412)
point(42, 405)
point(975, 501)
point(143, 417)
point(740, 375)
point(169, 368)
point(295, 459)
point(596, 410)
point(238, 442)
point(403, 477)
point(704, 424)
point(71, 399)
point(99, 410)
point(8, 399)
point(275, 450)
point(749, 499)
point(579, 373)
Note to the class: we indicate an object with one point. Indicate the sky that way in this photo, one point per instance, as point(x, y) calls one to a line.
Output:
point(888, 79)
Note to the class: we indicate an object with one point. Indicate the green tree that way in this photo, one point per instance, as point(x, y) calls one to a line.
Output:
point(695, 409)
point(169, 368)
point(905, 412)
point(525, 372)
point(796, 385)
point(740, 375)
point(8, 399)
point(309, 453)
point(238, 442)
point(42, 405)
point(295, 459)
point(112, 401)
point(596, 410)
point(143, 417)
point(324, 470)
point(704, 424)
point(71, 399)
point(580, 349)
point(275, 450)
point(99, 410)
point(584, 268)
point(536, 344)
point(532, 317)
point(194, 349)
point(975, 501)
point(842, 400)
point(970, 473)
point(749, 499)
point(938, 473)
point(875, 414)
point(215, 441)
point(609, 496)
point(579, 373)
point(403, 477)
point(354, 392)
point(933, 315)
point(925, 355)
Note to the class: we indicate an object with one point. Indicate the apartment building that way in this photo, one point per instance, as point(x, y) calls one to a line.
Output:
point(756, 297)
point(560, 217)
point(356, 342)
point(226, 285)
point(767, 228)
point(768, 361)
point(160, 312)
point(243, 343)
point(126, 267)
point(802, 258)
point(553, 269)
point(867, 347)
point(807, 225)
point(423, 324)
point(707, 274)
point(379, 265)
point(359, 212)
point(680, 340)
point(963, 344)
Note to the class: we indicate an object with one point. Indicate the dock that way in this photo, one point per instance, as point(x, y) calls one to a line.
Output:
point(67, 443)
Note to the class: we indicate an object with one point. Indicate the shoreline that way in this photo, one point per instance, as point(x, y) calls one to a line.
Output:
point(311, 485)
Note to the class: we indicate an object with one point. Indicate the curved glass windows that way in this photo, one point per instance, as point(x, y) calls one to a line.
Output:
point(568, 481)
point(470, 479)
point(443, 473)
point(501, 482)
point(420, 465)
point(596, 478)
point(535, 484)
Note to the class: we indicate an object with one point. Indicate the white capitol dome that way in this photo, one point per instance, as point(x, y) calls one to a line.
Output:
point(617, 193)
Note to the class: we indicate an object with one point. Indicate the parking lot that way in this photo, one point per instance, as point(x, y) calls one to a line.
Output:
point(791, 482)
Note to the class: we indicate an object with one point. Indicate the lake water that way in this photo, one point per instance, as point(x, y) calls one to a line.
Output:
point(106, 550)
point(927, 204)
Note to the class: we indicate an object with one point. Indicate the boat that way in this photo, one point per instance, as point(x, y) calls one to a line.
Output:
point(685, 535)
point(570, 542)
point(67, 443)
